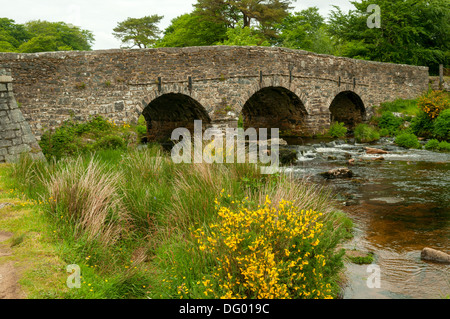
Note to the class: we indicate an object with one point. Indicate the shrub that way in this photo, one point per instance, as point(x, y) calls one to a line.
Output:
point(390, 122)
point(72, 138)
point(408, 107)
point(384, 132)
point(337, 130)
point(433, 103)
point(444, 146)
point(366, 134)
point(407, 140)
point(141, 131)
point(110, 142)
point(432, 145)
point(270, 252)
point(84, 197)
point(422, 125)
point(441, 127)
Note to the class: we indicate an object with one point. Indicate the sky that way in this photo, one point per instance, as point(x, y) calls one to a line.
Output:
point(101, 17)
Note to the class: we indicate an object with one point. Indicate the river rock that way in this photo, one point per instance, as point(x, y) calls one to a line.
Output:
point(370, 150)
point(435, 255)
point(287, 156)
point(338, 173)
point(278, 141)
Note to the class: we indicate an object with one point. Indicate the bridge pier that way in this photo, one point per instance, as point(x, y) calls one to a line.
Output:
point(15, 133)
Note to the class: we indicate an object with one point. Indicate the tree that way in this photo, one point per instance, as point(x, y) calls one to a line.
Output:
point(140, 32)
point(262, 13)
point(57, 35)
point(305, 30)
point(12, 35)
point(413, 32)
point(192, 30)
point(40, 36)
point(244, 36)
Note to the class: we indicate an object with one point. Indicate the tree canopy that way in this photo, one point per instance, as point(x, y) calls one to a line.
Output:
point(412, 32)
point(40, 36)
point(263, 14)
point(305, 30)
point(415, 32)
point(192, 30)
point(141, 32)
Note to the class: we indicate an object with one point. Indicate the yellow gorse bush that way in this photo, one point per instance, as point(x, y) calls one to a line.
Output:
point(265, 253)
point(433, 103)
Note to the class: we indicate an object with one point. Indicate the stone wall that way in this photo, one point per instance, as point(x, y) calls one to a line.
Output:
point(15, 133)
point(120, 84)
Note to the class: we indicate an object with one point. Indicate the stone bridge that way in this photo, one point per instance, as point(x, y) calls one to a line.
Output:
point(299, 92)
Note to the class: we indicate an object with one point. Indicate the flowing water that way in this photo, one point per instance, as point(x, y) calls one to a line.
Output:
point(399, 206)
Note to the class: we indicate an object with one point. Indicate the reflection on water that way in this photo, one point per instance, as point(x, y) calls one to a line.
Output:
point(399, 206)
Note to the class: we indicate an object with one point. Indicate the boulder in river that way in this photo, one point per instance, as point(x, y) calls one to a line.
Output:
point(338, 173)
point(435, 255)
point(287, 156)
point(370, 150)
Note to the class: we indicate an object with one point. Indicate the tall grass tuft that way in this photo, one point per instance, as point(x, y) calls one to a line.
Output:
point(87, 196)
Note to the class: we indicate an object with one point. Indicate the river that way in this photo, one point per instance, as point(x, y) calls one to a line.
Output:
point(399, 205)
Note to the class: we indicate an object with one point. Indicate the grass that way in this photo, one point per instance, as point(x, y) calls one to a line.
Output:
point(34, 253)
point(366, 134)
point(360, 258)
point(407, 107)
point(126, 217)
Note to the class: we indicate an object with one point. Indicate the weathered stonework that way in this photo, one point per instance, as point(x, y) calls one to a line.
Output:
point(15, 133)
point(223, 81)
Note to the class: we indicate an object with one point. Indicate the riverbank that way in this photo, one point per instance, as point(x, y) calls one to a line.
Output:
point(128, 219)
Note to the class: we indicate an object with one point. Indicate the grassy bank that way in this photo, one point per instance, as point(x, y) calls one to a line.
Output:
point(140, 226)
point(425, 118)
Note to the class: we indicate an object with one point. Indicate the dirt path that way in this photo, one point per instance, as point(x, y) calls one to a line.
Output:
point(9, 286)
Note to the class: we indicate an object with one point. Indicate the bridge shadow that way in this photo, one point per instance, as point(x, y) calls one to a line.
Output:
point(170, 111)
point(348, 108)
point(275, 107)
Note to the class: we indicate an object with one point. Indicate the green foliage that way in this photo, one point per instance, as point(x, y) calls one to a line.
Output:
point(244, 36)
point(110, 142)
point(412, 32)
point(42, 36)
point(12, 35)
point(390, 123)
point(422, 125)
point(433, 103)
point(264, 15)
point(72, 138)
point(141, 32)
point(240, 123)
point(337, 130)
point(384, 132)
point(192, 30)
point(407, 140)
point(432, 145)
point(444, 146)
point(305, 30)
point(407, 107)
point(441, 128)
point(362, 260)
point(366, 134)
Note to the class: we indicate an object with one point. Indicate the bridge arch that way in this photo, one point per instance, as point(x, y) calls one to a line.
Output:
point(275, 107)
point(348, 107)
point(169, 111)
